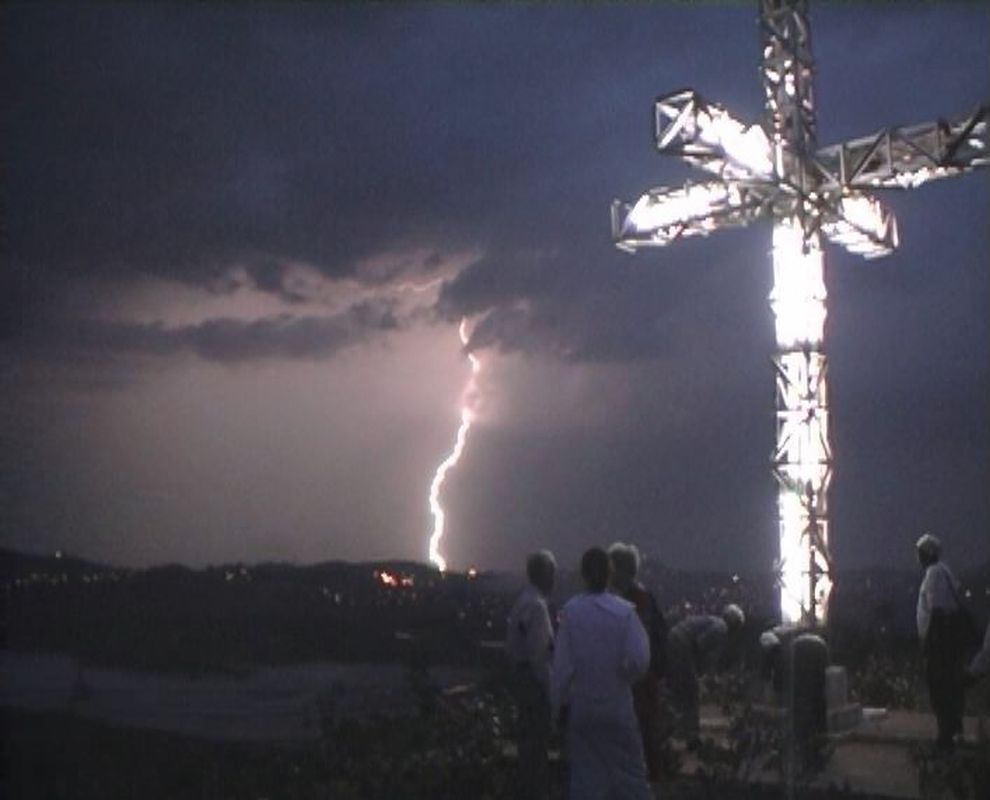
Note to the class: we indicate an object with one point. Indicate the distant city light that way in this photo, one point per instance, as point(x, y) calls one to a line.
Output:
point(393, 580)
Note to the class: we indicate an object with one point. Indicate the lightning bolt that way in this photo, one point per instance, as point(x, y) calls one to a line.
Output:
point(467, 417)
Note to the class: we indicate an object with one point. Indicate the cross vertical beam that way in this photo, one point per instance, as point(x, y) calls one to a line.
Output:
point(802, 457)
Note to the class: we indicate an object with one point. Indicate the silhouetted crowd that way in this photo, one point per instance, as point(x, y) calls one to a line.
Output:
point(619, 683)
point(600, 677)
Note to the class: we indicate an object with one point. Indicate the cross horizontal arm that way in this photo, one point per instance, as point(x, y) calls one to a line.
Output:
point(906, 157)
point(663, 215)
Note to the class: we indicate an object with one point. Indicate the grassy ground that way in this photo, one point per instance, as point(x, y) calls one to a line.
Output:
point(64, 756)
point(452, 749)
point(439, 754)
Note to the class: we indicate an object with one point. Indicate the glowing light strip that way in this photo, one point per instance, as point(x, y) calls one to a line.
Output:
point(658, 210)
point(707, 135)
point(798, 296)
point(467, 417)
point(802, 465)
point(746, 148)
point(863, 226)
point(797, 553)
point(802, 455)
point(791, 574)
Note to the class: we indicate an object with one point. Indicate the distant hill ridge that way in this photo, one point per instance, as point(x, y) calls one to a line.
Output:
point(14, 563)
point(11, 560)
point(174, 617)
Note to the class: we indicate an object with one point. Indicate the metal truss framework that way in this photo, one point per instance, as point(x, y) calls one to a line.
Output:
point(776, 171)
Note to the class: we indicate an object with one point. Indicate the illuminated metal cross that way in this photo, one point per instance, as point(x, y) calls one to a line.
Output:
point(776, 171)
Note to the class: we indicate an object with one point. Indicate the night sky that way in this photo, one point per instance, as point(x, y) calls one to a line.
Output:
point(238, 241)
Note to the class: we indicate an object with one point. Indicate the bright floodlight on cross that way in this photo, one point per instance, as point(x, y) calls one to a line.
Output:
point(776, 171)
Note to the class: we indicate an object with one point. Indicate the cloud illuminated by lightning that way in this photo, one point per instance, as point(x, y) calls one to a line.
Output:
point(467, 417)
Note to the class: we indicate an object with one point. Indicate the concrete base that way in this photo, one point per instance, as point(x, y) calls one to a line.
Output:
point(842, 715)
point(836, 687)
point(839, 720)
point(842, 719)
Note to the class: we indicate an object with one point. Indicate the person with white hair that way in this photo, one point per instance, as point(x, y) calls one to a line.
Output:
point(942, 646)
point(695, 645)
point(647, 698)
point(529, 647)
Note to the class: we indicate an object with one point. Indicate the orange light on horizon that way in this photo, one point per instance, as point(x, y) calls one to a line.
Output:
point(392, 580)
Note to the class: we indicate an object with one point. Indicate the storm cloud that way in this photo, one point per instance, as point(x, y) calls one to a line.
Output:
point(225, 339)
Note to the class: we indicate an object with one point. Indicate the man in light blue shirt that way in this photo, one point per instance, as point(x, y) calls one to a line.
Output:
point(979, 667)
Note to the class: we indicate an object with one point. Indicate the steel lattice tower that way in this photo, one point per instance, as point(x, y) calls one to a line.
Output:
point(777, 171)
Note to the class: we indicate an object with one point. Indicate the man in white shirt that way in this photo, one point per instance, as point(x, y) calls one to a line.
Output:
point(529, 648)
point(647, 697)
point(941, 644)
point(602, 649)
point(979, 667)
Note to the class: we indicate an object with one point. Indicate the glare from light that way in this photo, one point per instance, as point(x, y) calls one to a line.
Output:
point(708, 135)
point(467, 417)
point(661, 210)
point(798, 295)
point(797, 553)
point(802, 417)
point(863, 226)
point(917, 177)
point(746, 147)
point(792, 557)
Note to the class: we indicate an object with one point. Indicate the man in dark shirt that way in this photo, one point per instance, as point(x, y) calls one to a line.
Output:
point(646, 691)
